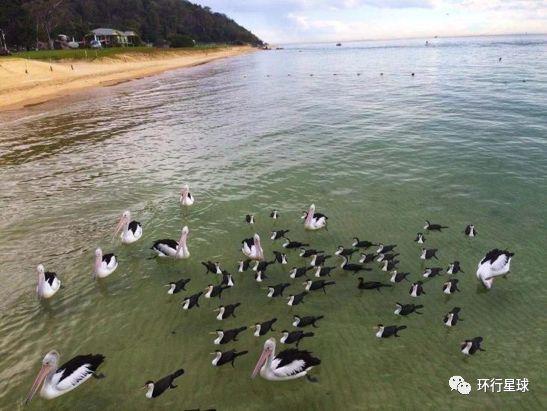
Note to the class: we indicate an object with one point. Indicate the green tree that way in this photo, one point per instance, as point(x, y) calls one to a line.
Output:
point(181, 40)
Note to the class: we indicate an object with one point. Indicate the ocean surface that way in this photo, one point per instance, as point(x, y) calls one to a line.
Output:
point(462, 141)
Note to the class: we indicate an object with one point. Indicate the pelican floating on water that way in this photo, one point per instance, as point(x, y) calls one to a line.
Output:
point(58, 381)
point(313, 220)
point(252, 248)
point(495, 263)
point(287, 365)
point(48, 283)
point(132, 230)
point(172, 248)
point(226, 357)
point(186, 198)
point(104, 264)
point(155, 389)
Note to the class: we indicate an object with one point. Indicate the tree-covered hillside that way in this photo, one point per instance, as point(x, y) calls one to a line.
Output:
point(26, 21)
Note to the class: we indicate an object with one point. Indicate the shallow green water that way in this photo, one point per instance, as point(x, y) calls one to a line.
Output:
point(463, 141)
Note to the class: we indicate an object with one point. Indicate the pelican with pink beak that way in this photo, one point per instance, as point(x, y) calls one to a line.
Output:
point(186, 198)
point(252, 248)
point(313, 220)
point(287, 365)
point(58, 381)
point(48, 283)
point(132, 230)
point(172, 248)
point(105, 264)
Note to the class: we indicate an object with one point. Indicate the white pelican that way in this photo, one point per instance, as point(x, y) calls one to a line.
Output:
point(287, 365)
point(495, 263)
point(48, 283)
point(59, 381)
point(132, 230)
point(104, 264)
point(186, 198)
point(172, 248)
point(313, 220)
point(252, 248)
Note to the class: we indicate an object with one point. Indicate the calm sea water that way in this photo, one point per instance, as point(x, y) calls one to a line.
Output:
point(463, 141)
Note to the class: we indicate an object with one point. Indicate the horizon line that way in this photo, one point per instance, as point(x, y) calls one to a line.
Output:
point(410, 38)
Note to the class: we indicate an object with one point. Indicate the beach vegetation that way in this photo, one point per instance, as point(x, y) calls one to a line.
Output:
point(181, 40)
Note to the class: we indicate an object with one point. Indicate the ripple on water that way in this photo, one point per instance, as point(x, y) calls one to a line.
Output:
point(463, 141)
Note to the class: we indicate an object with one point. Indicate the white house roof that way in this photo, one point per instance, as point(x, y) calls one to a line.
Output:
point(107, 32)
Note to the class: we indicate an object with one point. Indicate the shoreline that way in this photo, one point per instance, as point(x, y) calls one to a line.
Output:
point(44, 81)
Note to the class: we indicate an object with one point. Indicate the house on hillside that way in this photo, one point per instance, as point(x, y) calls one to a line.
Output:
point(113, 38)
point(133, 38)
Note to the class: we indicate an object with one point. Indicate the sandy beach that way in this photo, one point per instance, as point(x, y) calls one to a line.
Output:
point(28, 82)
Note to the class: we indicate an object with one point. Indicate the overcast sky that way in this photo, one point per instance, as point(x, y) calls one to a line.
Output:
point(283, 21)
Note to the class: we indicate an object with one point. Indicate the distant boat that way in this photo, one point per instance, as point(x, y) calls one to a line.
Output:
point(338, 44)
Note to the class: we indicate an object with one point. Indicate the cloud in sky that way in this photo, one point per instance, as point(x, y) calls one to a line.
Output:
point(280, 21)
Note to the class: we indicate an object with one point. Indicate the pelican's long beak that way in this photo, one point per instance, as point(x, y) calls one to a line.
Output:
point(119, 226)
point(261, 361)
point(46, 369)
point(216, 309)
point(212, 332)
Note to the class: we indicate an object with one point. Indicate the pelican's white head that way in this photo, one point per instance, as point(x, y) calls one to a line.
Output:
point(49, 365)
point(41, 278)
point(309, 215)
point(267, 353)
point(260, 251)
point(183, 237)
point(125, 219)
point(98, 260)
